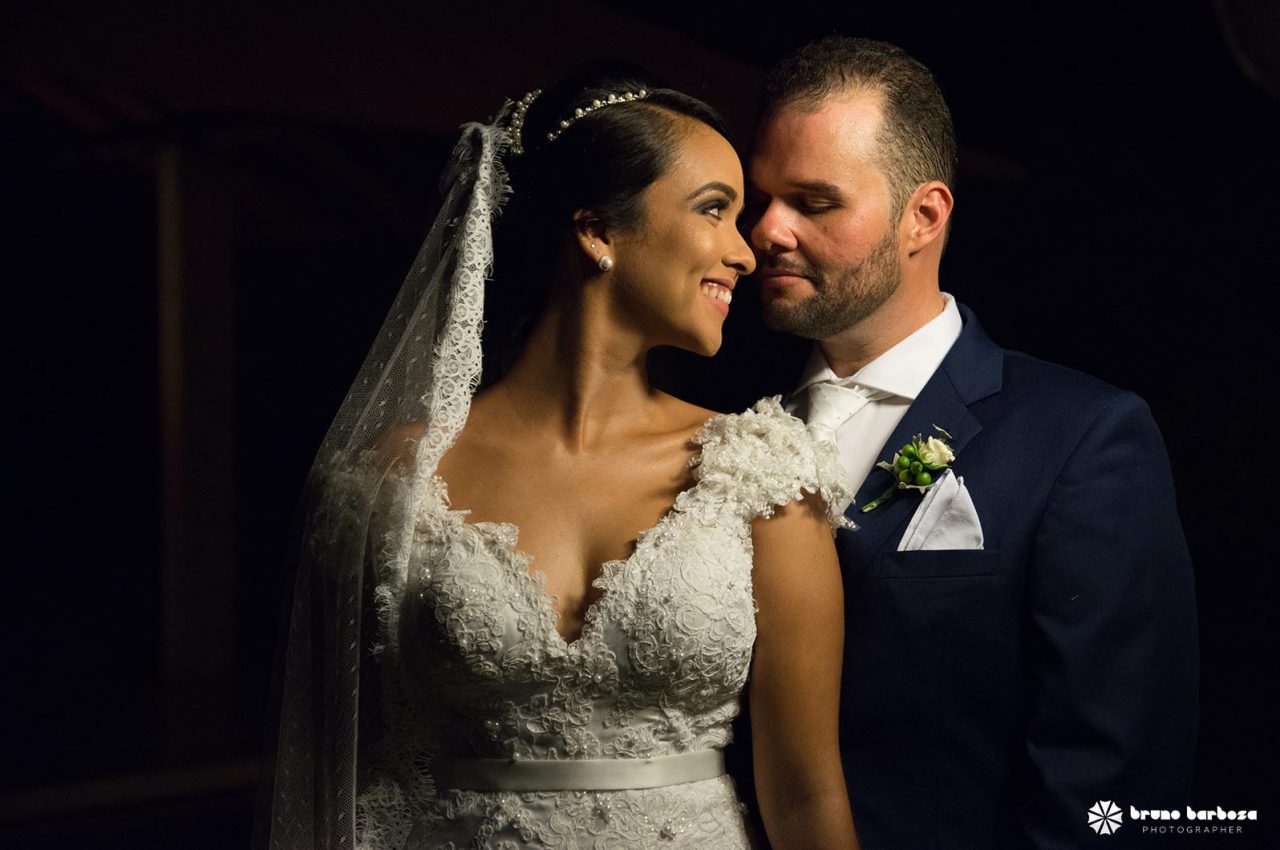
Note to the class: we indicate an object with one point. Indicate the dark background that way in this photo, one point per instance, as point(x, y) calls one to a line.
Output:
point(206, 209)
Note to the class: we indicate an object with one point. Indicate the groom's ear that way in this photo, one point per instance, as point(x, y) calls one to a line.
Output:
point(926, 216)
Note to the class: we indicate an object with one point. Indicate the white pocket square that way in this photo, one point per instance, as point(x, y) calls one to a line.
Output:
point(945, 519)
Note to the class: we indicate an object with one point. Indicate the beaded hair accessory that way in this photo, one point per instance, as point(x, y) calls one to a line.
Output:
point(522, 106)
point(517, 120)
point(625, 97)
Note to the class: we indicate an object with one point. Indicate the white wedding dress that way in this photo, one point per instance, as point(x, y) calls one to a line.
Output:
point(486, 706)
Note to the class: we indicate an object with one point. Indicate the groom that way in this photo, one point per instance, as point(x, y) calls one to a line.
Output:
point(1021, 643)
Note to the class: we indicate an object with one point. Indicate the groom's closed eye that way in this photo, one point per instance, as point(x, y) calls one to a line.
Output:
point(806, 206)
point(812, 198)
point(816, 197)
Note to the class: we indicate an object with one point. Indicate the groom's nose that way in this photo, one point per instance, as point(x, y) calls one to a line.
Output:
point(771, 233)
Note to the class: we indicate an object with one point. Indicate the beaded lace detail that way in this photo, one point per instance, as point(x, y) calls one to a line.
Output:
point(473, 664)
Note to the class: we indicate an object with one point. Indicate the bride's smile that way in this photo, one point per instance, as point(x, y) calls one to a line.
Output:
point(721, 293)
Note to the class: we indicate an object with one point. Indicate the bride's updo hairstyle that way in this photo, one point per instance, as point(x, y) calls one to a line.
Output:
point(603, 161)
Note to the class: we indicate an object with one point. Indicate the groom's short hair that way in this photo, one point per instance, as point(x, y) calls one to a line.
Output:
point(917, 140)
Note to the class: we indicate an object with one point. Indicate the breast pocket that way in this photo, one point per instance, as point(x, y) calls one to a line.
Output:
point(939, 563)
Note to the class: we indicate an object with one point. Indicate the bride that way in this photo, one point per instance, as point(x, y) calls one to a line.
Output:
point(524, 619)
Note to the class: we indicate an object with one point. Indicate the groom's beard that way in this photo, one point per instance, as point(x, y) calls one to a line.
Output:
point(841, 301)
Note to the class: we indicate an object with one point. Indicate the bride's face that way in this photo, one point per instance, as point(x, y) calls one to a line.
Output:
point(674, 275)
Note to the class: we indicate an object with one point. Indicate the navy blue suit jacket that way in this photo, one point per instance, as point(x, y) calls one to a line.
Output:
point(990, 697)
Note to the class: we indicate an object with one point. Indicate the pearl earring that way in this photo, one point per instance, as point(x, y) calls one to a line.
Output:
point(606, 263)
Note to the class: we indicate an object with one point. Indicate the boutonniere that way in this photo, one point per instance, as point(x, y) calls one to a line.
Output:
point(915, 467)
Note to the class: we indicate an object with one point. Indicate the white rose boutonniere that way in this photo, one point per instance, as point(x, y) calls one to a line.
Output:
point(915, 466)
point(934, 453)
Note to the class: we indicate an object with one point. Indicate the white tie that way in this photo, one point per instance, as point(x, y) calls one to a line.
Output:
point(831, 405)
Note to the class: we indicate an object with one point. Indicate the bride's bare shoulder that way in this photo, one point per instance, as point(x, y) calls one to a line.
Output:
point(685, 416)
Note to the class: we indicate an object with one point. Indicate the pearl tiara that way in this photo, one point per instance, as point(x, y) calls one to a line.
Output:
point(517, 120)
point(522, 106)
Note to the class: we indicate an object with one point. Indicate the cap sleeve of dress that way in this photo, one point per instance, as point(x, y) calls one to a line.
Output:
point(764, 457)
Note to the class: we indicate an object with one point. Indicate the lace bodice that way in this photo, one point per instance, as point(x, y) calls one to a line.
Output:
point(474, 666)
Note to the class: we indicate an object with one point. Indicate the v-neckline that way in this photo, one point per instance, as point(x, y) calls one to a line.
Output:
point(537, 579)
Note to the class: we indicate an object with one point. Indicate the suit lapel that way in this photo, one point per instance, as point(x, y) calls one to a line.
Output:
point(938, 404)
point(972, 370)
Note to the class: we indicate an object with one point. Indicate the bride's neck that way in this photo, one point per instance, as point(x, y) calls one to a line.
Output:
point(580, 376)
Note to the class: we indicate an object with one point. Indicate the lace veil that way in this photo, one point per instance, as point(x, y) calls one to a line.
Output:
point(423, 368)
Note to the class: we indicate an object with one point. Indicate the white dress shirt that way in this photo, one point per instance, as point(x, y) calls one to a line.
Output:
point(888, 385)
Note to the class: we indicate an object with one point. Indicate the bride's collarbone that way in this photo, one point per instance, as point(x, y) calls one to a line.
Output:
point(573, 512)
point(563, 507)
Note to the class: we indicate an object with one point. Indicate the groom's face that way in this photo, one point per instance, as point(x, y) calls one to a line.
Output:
point(828, 249)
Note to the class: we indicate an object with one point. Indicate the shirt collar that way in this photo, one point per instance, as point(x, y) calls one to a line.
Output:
point(904, 369)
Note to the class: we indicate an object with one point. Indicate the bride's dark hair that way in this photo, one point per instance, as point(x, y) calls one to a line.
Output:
point(602, 162)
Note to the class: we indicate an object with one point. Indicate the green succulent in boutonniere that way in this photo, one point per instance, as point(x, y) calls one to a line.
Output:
point(915, 467)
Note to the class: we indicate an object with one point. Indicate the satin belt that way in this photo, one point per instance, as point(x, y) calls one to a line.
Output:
point(576, 774)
